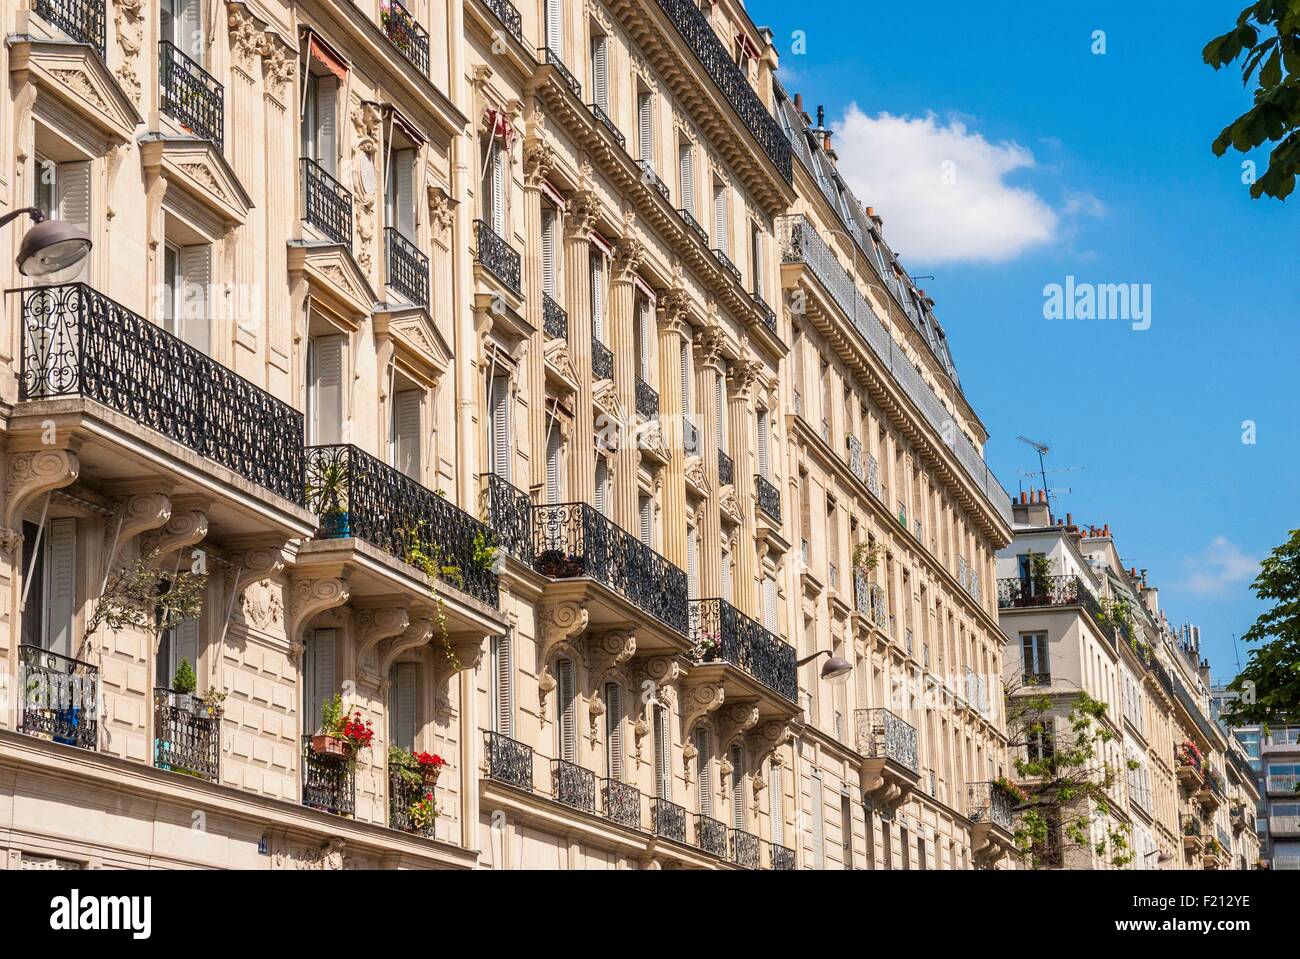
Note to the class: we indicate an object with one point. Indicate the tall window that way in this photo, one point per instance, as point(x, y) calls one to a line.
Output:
point(187, 274)
point(405, 432)
point(737, 787)
point(399, 192)
point(62, 192)
point(764, 454)
point(550, 250)
point(663, 753)
point(319, 133)
point(645, 127)
point(720, 408)
point(645, 517)
point(1033, 652)
point(600, 71)
point(554, 462)
point(320, 677)
point(180, 642)
point(720, 232)
point(499, 425)
point(776, 801)
point(402, 705)
point(503, 685)
point(703, 775)
point(686, 175)
point(692, 562)
point(641, 317)
point(818, 822)
point(614, 731)
point(567, 710)
point(602, 503)
point(181, 23)
point(325, 389)
point(846, 830)
point(555, 26)
point(756, 259)
point(598, 279)
point(47, 617)
point(769, 602)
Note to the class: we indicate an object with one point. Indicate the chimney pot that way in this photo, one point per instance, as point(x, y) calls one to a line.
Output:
point(826, 141)
point(821, 117)
point(798, 102)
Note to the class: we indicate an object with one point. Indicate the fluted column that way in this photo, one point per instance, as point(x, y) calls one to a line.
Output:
point(740, 413)
point(538, 159)
point(709, 359)
point(622, 324)
point(673, 330)
point(580, 215)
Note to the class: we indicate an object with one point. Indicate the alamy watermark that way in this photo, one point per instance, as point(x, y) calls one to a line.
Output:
point(1072, 300)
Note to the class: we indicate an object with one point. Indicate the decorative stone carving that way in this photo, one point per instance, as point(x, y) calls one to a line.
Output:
point(695, 474)
point(279, 64)
point(366, 126)
point(734, 720)
point(729, 503)
point(32, 474)
point(698, 700)
point(741, 376)
point(246, 38)
point(442, 210)
point(330, 857)
point(560, 623)
point(607, 653)
point(595, 709)
point(77, 82)
point(413, 637)
point(135, 515)
point(182, 529)
point(373, 626)
point(627, 259)
point(310, 597)
point(128, 18)
point(582, 211)
point(539, 160)
point(261, 605)
point(708, 346)
point(766, 742)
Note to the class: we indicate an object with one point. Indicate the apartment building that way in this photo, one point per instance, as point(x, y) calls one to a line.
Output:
point(496, 369)
point(1269, 758)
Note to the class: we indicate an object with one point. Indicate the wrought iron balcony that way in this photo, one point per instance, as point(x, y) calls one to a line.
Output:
point(722, 633)
point(1040, 677)
point(622, 803)
point(783, 859)
point(81, 20)
point(573, 786)
point(689, 219)
point(408, 268)
point(60, 698)
point(575, 540)
point(404, 793)
point(605, 120)
point(985, 802)
point(602, 361)
point(700, 36)
point(187, 735)
point(882, 735)
point(767, 314)
point(869, 599)
point(190, 95)
point(326, 204)
point(651, 179)
point(856, 464)
point(508, 761)
point(510, 514)
point(711, 836)
point(769, 498)
point(726, 263)
point(497, 256)
point(555, 321)
point(669, 821)
point(357, 496)
point(405, 33)
point(553, 59)
point(726, 469)
point(873, 476)
point(647, 400)
point(506, 12)
point(79, 343)
point(328, 782)
point(1032, 592)
point(744, 849)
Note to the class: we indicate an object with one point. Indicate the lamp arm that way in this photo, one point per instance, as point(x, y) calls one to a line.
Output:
point(808, 659)
point(36, 215)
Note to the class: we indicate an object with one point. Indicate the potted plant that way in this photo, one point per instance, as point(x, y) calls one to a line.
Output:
point(214, 703)
point(423, 813)
point(355, 732)
point(328, 741)
point(183, 685)
point(327, 495)
point(430, 768)
point(1010, 791)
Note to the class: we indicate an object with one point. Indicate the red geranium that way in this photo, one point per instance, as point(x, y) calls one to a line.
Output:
point(357, 732)
point(430, 759)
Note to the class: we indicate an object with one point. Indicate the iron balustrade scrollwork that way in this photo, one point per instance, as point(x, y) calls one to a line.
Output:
point(553, 59)
point(622, 803)
point(497, 256)
point(328, 782)
point(555, 321)
point(186, 738)
point(602, 361)
point(59, 698)
point(510, 514)
point(1032, 591)
point(82, 20)
point(326, 203)
point(77, 342)
point(408, 268)
point(882, 735)
point(573, 786)
point(357, 496)
point(769, 497)
point(509, 762)
point(647, 400)
point(726, 469)
point(727, 264)
point(694, 225)
point(405, 33)
point(190, 95)
point(404, 793)
point(767, 315)
point(604, 119)
point(873, 476)
point(782, 858)
point(722, 633)
point(506, 12)
point(651, 179)
point(575, 540)
point(711, 836)
point(856, 465)
point(731, 81)
point(986, 802)
point(669, 820)
point(744, 849)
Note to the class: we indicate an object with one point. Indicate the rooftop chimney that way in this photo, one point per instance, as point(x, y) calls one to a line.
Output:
point(798, 102)
point(1031, 510)
point(821, 118)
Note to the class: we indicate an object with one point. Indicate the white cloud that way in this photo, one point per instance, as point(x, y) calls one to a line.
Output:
point(942, 190)
point(1220, 569)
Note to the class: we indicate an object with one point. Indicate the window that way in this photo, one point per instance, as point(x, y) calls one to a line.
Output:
point(600, 71)
point(920, 853)
point(503, 685)
point(720, 232)
point(319, 675)
point(720, 408)
point(399, 192)
point(320, 120)
point(645, 516)
point(703, 758)
point(62, 192)
point(1039, 746)
point(818, 822)
point(641, 318)
point(1033, 651)
point(687, 369)
point(764, 459)
point(402, 706)
point(555, 26)
point(554, 462)
point(187, 273)
point(888, 836)
point(692, 562)
point(550, 248)
point(846, 830)
point(181, 23)
point(602, 503)
point(686, 176)
point(325, 390)
point(727, 582)
point(776, 800)
point(756, 259)
point(597, 263)
point(50, 554)
point(645, 130)
point(869, 828)
point(769, 602)
point(663, 753)
point(405, 432)
point(499, 425)
point(905, 845)
point(567, 710)
point(180, 642)
point(738, 788)
point(614, 731)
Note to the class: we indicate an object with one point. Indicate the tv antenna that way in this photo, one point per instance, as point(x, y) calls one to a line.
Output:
point(1042, 450)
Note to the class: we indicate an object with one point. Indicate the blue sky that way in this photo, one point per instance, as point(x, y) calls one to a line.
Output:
point(1099, 167)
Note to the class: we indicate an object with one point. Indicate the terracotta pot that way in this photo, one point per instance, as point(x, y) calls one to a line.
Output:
point(431, 774)
point(329, 746)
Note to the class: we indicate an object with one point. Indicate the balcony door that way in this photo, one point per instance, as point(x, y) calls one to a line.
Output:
point(177, 643)
point(319, 676)
point(399, 192)
point(402, 705)
point(50, 556)
point(320, 121)
point(187, 275)
point(63, 193)
point(180, 22)
point(406, 432)
point(325, 390)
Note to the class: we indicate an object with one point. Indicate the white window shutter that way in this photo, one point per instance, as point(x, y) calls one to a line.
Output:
point(498, 190)
point(499, 426)
point(326, 393)
point(703, 748)
point(503, 685)
point(321, 675)
point(692, 563)
point(598, 295)
point(720, 217)
point(602, 486)
point(73, 183)
point(663, 754)
point(643, 338)
point(60, 584)
point(549, 218)
point(555, 26)
point(737, 787)
point(756, 259)
point(554, 477)
point(401, 705)
point(686, 376)
point(764, 466)
point(567, 710)
point(407, 432)
point(196, 276)
point(776, 802)
point(645, 515)
point(727, 589)
point(614, 731)
point(327, 148)
point(600, 71)
point(404, 192)
point(769, 603)
point(645, 127)
point(686, 161)
point(720, 409)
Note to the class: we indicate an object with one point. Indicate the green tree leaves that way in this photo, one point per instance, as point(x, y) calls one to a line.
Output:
point(1269, 687)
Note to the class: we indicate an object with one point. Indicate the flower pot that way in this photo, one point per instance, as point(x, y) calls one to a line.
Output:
point(185, 703)
point(430, 775)
point(329, 746)
point(336, 525)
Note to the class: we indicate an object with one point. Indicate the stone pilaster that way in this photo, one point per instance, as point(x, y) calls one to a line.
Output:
point(623, 342)
point(580, 217)
point(708, 358)
point(740, 414)
point(673, 330)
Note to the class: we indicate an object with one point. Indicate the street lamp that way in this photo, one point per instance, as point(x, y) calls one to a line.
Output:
point(50, 246)
point(836, 669)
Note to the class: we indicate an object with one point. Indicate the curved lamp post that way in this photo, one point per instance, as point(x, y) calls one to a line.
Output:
point(50, 246)
point(836, 669)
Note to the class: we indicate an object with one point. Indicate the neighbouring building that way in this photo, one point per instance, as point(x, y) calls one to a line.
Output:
point(1270, 758)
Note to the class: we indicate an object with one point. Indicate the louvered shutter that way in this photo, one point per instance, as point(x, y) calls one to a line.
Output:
point(720, 408)
point(404, 193)
point(503, 685)
point(692, 563)
point(720, 217)
point(401, 719)
point(602, 486)
point(737, 788)
point(703, 747)
point(686, 162)
point(555, 26)
point(185, 639)
point(600, 71)
point(326, 354)
point(73, 182)
point(549, 218)
point(645, 515)
point(614, 731)
point(756, 259)
point(685, 357)
point(645, 128)
point(764, 466)
point(818, 823)
point(554, 479)
point(196, 275)
point(321, 675)
point(33, 633)
point(663, 754)
point(60, 582)
point(498, 190)
point(727, 588)
point(189, 24)
point(769, 602)
point(327, 147)
point(643, 338)
point(776, 800)
point(407, 406)
point(568, 706)
point(598, 295)
point(499, 436)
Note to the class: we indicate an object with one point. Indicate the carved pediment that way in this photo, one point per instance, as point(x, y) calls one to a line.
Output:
point(333, 275)
point(560, 364)
point(198, 169)
point(695, 475)
point(606, 400)
point(73, 74)
point(729, 504)
point(417, 338)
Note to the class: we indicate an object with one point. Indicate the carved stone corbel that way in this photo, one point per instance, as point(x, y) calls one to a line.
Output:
point(560, 623)
point(466, 654)
point(698, 700)
point(310, 597)
point(182, 529)
point(734, 720)
point(413, 637)
point(608, 652)
point(135, 515)
point(765, 742)
point(30, 475)
point(373, 626)
point(595, 709)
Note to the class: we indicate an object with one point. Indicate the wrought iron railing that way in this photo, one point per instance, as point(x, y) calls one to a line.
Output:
point(651, 179)
point(767, 315)
point(190, 95)
point(1037, 677)
point(647, 400)
point(553, 59)
point(357, 496)
point(328, 782)
point(508, 761)
point(856, 465)
point(509, 16)
point(326, 204)
point(1029, 592)
point(59, 697)
point(602, 361)
point(405, 33)
point(79, 343)
point(985, 802)
point(769, 498)
point(700, 36)
point(1283, 784)
point(555, 321)
point(783, 859)
point(605, 120)
point(744, 849)
point(497, 256)
point(869, 598)
point(575, 540)
point(711, 836)
point(621, 802)
point(403, 794)
point(82, 20)
point(722, 633)
point(669, 821)
point(726, 469)
point(694, 225)
point(882, 735)
point(727, 264)
point(408, 268)
point(510, 514)
point(573, 785)
point(187, 736)
point(873, 476)
point(800, 243)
